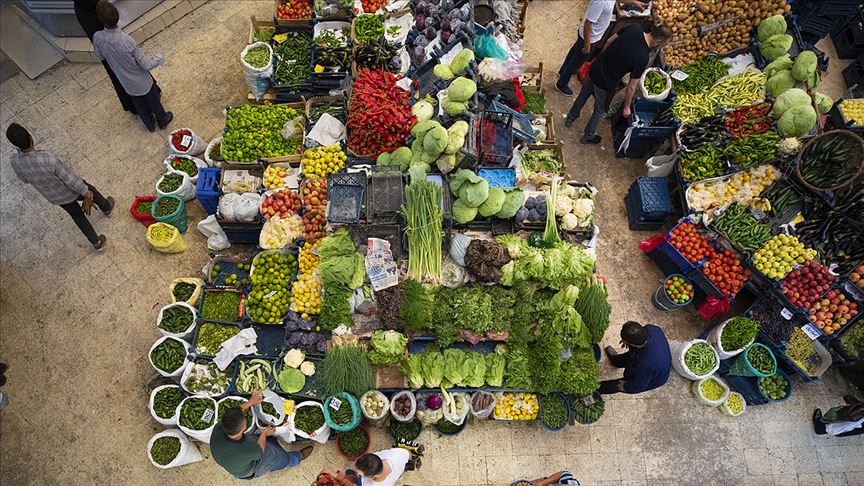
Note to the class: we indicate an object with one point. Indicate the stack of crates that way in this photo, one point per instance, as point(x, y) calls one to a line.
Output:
point(648, 203)
point(816, 18)
point(848, 36)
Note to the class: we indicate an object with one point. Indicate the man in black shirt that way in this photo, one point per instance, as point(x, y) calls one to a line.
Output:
point(625, 52)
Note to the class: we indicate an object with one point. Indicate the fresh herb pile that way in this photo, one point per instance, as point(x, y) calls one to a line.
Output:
point(417, 305)
point(211, 336)
point(462, 309)
point(423, 216)
point(169, 355)
point(193, 410)
point(308, 419)
point(165, 449)
point(738, 332)
point(354, 442)
point(183, 291)
point(221, 306)
point(170, 182)
point(553, 411)
point(535, 102)
point(447, 427)
point(545, 160)
point(761, 360)
point(177, 318)
point(166, 401)
point(700, 358)
point(346, 368)
point(593, 305)
point(166, 206)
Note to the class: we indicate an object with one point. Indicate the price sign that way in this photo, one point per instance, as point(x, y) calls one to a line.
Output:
point(811, 331)
point(758, 213)
point(786, 313)
point(270, 294)
point(679, 75)
point(186, 140)
point(336, 404)
point(288, 406)
point(589, 400)
point(208, 416)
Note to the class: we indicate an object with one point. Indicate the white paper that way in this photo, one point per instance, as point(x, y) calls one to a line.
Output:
point(679, 75)
point(404, 23)
point(811, 331)
point(185, 141)
point(241, 343)
point(328, 130)
point(396, 6)
point(380, 266)
point(786, 313)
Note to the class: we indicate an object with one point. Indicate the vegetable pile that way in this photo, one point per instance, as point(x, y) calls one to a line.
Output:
point(739, 187)
point(368, 26)
point(170, 182)
point(221, 305)
point(347, 368)
point(587, 413)
point(750, 120)
point(144, 207)
point(700, 358)
point(484, 259)
point(700, 75)
point(161, 233)
point(553, 411)
point(294, 51)
point(165, 449)
point(725, 272)
point(314, 194)
point(774, 387)
point(829, 161)
point(306, 291)
point(835, 230)
point(690, 242)
point(253, 375)
point(710, 131)
point(177, 318)
point(679, 290)
point(379, 117)
point(711, 389)
point(182, 292)
point(761, 360)
point(423, 216)
point(655, 82)
point(705, 163)
point(405, 430)
point(851, 342)
point(354, 442)
point(401, 405)
point(308, 418)
point(258, 57)
point(182, 164)
point(766, 311)
point(166, 401)
point(735, 403)
point(535, 102)
point(732, 92)
point(742, 228)
point(253, 131)
point(294, 9)
point(169, 355)
point(738, 332)
point(388, 347)
point(516, 406)
point(538, 161)
point(194, 410)
point(212, 335)
point(322, 161)
point(745, 152)
point(782, 196)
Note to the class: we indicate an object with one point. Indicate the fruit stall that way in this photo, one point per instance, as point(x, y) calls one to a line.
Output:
point(407, 253)
point(764, 176)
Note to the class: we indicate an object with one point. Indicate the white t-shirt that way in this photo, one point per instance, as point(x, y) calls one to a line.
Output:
point(599, 13)
point(397, 458)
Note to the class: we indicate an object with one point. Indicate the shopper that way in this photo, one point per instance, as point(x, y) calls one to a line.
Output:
point(56, 182)
point(383, 468)
point(131, 66)
point(625, 52)
point(85, 12)
point(242, 455)
point(844, 421)
point(646, 363)
point(560, 477)
point(595, 21)
point(329, 477)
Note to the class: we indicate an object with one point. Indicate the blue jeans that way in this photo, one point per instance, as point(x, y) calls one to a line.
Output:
point(275, 458)
point(601, 101)
point(573, 61)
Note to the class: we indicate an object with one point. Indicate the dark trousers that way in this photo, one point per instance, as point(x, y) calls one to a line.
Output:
point(85, 12)
point(150, 108)
point(74, 210)
point(574, 61)
point(602, 97)
point(609, 387)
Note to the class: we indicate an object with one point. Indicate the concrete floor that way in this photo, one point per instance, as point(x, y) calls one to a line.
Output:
point(75, 325)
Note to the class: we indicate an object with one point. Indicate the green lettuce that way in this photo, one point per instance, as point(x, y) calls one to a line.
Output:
point(432, 369)
point(453, 369)
point(412, 369)
point(495, 369)
point(388, 347)
point(580, 375)
point(474, 370)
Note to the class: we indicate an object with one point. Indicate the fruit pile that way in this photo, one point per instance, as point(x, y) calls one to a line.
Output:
point(779, 254)
point(294, 9)
point(833, 311)
point(516, 406)
point(269, 298)
point(857, 276)
point(274, 177)
point(692, 244)
point(321, 161)
point(678, 289)
point(314, 195)
point(306, 292)
point(853, 110)
point(804, 286)
point(372, 6)
point(279, 232)
point(724, 270)
point(281, 203)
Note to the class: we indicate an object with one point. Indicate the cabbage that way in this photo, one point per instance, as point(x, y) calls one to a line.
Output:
point(453, 108)
point(383, 159)
point(420, 129)
point(461, 61)
point(435, 141)
point(442, 71)
point(461, 90)
point(291, 380)
point(401, 157)
point(462, 212)
point(459, 178)
point(823, 103)
point(474, 193)
point(459, 128)
point(776, 46)
point(789, 98)
point(771, 27)
point(493, 203)
point(779, 83)
point(418, 171)
point(454, 143)
point(782, 63)
point(804, 66)
point(797, 121)
point(423, 110)
point(513, 200)
point(446, 163)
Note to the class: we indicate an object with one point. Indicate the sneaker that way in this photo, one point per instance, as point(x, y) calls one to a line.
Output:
point(591, 141)
point(565, 90)
point(306, 452)
point(168, 117)
point(152, 129)
point(101, 243)
point(568, 122)
point(110, 206)
point(610, 351)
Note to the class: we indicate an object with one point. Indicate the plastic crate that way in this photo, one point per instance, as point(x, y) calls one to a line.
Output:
point(840, 121)
point(271, 339)
point(848, 40)
point(227, 267)
point(469, 148)
point(702, 283)
point(194, 343)
point(345, 194)
point(677, 258)
point(498, 177)
point(360, 234)
point(242, 233)
point(522, 129)
point(650, 195)
point(639, 148)
point(499, 150)
point(443, 181)
point(634, 221)
point(386, 195)
point(646, 111)
point(208, 189)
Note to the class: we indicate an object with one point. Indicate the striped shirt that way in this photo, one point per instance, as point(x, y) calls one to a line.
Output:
point(126, 59)
point(49, 176)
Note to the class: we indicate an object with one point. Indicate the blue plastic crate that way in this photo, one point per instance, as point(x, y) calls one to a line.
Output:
point(705, 285)
point(645, 111)
point(651, 196)
point(498, 177)
point(677, 258)
point(207, 189)
point(635, 222)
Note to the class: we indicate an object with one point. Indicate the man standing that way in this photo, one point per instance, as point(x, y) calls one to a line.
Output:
point(594, 24)
point(646, 363)
point(625, 52)
point(57, 184)
point(131, 66)
point(245, 457)
point(383, 468)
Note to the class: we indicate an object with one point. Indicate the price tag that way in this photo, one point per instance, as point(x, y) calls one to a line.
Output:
point(270, 294)
point(208, 416)
point(336, 404)
point(186, 140)
point(288, 406)
point(589, 400)
point(280, 38)
point(786, 313)
point(811, 331)
point(679, 75)
point(758, 213)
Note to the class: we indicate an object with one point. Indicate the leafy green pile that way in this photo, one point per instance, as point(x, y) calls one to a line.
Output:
point(418, 304)
point(556, 267)
point(346, 368)
point(342, 269)
point(594, 308)
point(453, 367)
point(580, 375)
point(462, 309)
point(388, 347)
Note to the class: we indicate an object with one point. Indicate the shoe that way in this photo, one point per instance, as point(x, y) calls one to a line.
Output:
point(610, 351)
point(817, 415)
point(110, 206)
point(168, 117)
point(565, 90)
point(151, 129)
point(306, 452)
point(101, 243)
point(849, 399)
point(2, 380)
point(591, 141)
point(568, 122)
point(3, 368)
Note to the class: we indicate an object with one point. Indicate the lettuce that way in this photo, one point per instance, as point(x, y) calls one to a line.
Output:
point(779, 83)
point(453, 369)
point(797, 121)
point(495, 369)
point(782, 63)
point(580, 375)
point(432, 369)
point(412, 368)
point(473, 370)
point(338, 262)
point(388, 347)
point(776, 45)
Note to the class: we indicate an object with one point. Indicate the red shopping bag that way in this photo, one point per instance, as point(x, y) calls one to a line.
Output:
point(582, 72)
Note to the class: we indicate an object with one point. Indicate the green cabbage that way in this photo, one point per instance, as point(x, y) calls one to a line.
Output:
point(782, 63)
point(789, 98)
point(459, 178)
point(420, 129)
point(442, 71)
point(513, 200)
point(823, 103)
point(776, 46)
point(435, 141)
point(462, 212)
point(797, 121)
point(453, 108)
point(494, 369)
point(493, 203)
point(454, 143)
point(418, 171)
point(423, 110)
point(771, 27)
point(804, 66)
point(474, 193)
point(401, 157)
point(383, 159)
point(446, 163)
point(779, 83)
point(461, 90)
point(459, 128)
point(461, 61)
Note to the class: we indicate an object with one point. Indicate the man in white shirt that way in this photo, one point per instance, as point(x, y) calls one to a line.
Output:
point(383, 468)
point(596, 20)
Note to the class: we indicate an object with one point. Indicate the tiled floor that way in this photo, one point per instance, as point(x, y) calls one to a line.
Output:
point(75, 325)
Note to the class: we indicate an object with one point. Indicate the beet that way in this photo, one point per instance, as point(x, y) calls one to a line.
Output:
point(430, 34)
point(420, 22)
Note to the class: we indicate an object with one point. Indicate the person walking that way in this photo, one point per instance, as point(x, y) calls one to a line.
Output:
point(242, 455)
point(646, 363)
point(131, 66)
point(625, 52)
point(560, 477)
point(595, 21)
point(85, 12)
point(56, 182)
point(843, 421)
point(383, 468)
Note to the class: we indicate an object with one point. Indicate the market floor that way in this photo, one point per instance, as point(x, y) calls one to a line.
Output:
point(75, 325)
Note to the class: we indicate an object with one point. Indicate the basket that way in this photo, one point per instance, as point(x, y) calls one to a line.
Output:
point(227, 267)
point(346, 456)
point(495, 138)
point(178, 218)
point(742, 367)
point(347, 400)
point(386, 195)
point(146, 218)
point(855, 159)
point(392, 233)
point(345, 195)
point(566, 406)
point(788, 389)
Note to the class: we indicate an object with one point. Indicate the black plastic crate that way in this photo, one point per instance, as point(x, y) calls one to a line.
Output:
point(386, 194)
point(853, 76)
point(703, 284)
point(638, 148)
point(650, 196)
point(271, 339)
point(307, 84)
point(633, 221)
point(346, 194)
point(393, 233)
point(498, 151)
point(242, 233)
point(849, 38)
point(646, 111)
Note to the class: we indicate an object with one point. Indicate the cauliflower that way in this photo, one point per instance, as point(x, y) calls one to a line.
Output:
point(294, 358)
point(567, 190)
point(563, 205)
point(569, 222)
point(307, 368)
point(583, 209)
point(789, 146)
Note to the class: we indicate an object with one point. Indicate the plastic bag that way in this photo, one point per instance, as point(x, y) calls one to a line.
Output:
point(198, 163)
point(195, 145)
point(293, 128)
point(458, 247)
point(660, 165)
point(322, 434)
point(173, 244)
point(453, 275)
point(652, 243)
point(482, 413)
point(226, 206)
point(679, 349)
point(246, 207)
point(485, 46)
point(258, 79)
point(202, 435)
point(196, 294)
point(186, 189)
point(188, 451)
point(216, 238)
point(725, 406)
point(146, 218)
point(385, 410)
point(713, 307)
point(501, 69)
point(696, 387)
point(410, 415)
point(207, 158)
point(177, 372)
point(332, 404)
point(171, 421)
point(582, 72)
point(663, 94)
point(456, 407)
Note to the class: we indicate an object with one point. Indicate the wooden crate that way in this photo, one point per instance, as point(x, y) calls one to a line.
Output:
point(533, 77)
point(550, 127)
point(257, 26)
point(289, 22)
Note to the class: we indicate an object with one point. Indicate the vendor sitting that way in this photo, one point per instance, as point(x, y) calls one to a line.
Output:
point(646, 363)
